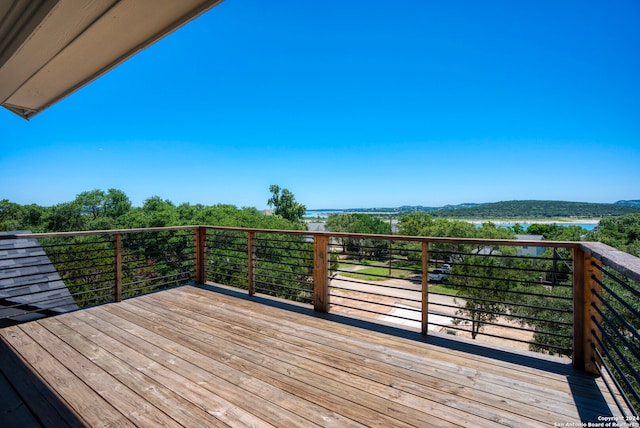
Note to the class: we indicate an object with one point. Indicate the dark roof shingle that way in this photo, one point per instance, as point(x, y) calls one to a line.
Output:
point(30, 286)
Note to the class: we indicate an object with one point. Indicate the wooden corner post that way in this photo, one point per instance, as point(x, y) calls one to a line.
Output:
point(118, 252)
point(321, 273)
point(200, 237)
point(585, 277)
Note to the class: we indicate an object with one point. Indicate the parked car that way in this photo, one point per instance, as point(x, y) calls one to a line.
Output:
point(438, 275)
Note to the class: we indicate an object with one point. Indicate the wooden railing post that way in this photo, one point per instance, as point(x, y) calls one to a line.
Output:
point(584, 313)
point(200, 238)
point(251, 262)
point(425, 287)
point(321, 273)
point(118, 253)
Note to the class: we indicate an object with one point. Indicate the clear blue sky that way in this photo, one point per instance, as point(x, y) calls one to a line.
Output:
point(353, 103)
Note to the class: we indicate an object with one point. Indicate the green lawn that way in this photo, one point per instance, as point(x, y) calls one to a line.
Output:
point(444, 289)
point(367, 274)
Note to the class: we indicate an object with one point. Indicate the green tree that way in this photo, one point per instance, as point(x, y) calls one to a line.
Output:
point(158, 212)
point(482, 288)
point(9, 214)
point(555, 232)
point(481, 277)
point(518, 229)
point(359, 223)
point(285, 205)
point(103, 210)
point(116, 203)
point(415, 224)
point(423, 224)
point(91, 203)
point(65, 217)
point(20, 217)
point(622, 232)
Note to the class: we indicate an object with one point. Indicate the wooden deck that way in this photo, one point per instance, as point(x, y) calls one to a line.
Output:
point(194, 356)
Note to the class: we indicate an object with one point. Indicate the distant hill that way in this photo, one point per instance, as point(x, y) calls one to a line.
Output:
point(510, 209)
point(634, 203)
point(402, 209)
point(540, 209)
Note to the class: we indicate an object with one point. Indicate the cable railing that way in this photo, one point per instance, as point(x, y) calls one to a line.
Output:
point(283, 266)
point(614, 333)
point(474, 290)
point(52, 273)
point(577, 300)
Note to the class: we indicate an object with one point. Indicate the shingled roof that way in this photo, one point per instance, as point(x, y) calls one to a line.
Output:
point(30, 287)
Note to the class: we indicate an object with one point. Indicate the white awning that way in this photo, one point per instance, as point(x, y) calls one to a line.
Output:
point(51, 48)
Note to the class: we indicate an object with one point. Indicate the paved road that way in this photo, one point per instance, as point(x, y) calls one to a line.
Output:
point(395, 288)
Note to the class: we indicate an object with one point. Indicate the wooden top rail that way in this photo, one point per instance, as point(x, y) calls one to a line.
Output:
point(445, 240)
point(622, 262)
point(94, 232)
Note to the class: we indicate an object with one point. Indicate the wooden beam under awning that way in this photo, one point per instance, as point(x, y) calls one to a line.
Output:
point(51, 48)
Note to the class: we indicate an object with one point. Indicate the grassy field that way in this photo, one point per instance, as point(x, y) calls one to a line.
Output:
point(444, 289)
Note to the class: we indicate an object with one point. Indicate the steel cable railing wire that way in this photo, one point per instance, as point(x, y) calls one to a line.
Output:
point(555, 322)
point(371, 311)
point(632, 330)
point(377, 303)
point(371, 293)
point(630, 370)
point(616, 379)
point(615, 304)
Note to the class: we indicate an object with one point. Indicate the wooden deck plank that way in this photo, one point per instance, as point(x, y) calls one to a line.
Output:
point(447, 386)
point(193, 357)
point(130, 404)
point(93, 409)
point(29, 387)
point(364, 373)
point(232, 404)
point(219, 358)
point(270, 354)
point(554, 376)
point(549, 378)
point(86, 339)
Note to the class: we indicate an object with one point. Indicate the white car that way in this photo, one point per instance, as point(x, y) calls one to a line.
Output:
point(438, 275)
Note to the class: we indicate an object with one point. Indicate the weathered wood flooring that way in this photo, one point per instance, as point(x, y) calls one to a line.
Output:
point(195, 357)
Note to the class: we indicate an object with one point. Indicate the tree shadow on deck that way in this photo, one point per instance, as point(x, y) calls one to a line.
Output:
point(587, 396)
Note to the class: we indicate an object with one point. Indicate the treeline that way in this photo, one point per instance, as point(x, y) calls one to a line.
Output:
point(538, 209)
point(622, 232)
point(112, 209)
point(163, 259)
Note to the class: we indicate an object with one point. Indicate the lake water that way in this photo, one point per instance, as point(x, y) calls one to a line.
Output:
point(585, 225)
